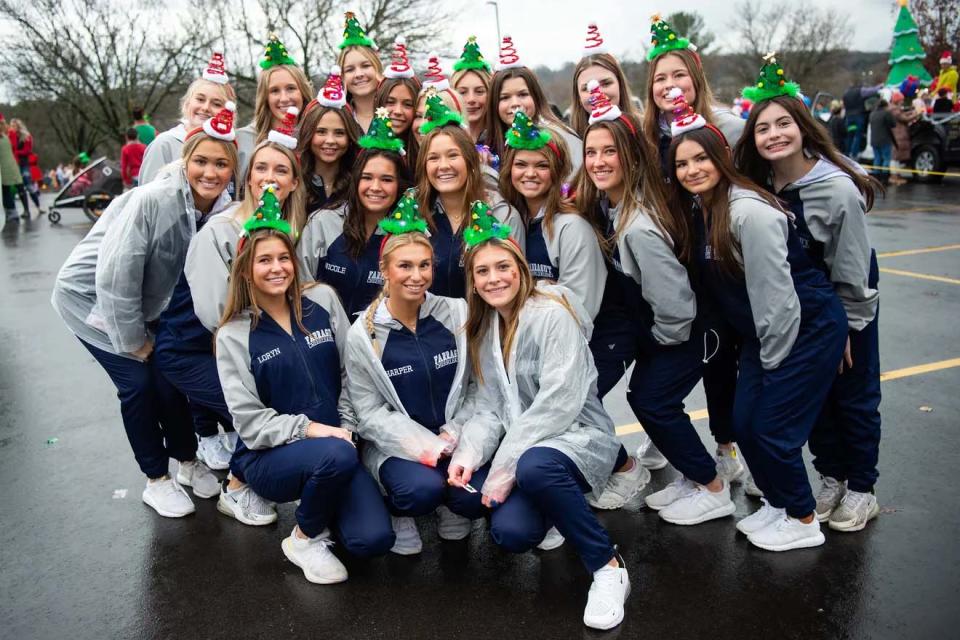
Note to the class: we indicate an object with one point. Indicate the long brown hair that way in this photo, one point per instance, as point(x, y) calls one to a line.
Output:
point(294, 207)
point(473, 189)
point(558, 159)
point(262, 117)
point(579, 117)
point(410, 143)
point(496, 128)
point(702, 103)
point(354, 224)
point(725, 247)
point(643, 186)
point(816, 141)
point(308, 162)
point(241, 292)
point(478, 309)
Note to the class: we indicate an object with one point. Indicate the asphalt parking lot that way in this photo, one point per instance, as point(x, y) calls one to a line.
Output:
point(82, 557)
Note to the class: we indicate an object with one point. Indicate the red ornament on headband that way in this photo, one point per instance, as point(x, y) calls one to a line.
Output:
point(220, 126)
point(509, 59)
point(216, 70)
point(594, 44)
point(435, 77)
point(399, 61)
point(603, 109)
point(286, 133)
point(332, 94)
point(684, 117)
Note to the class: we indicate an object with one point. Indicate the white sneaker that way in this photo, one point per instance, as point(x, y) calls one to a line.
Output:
point(788, 533)
point(168, 498)
point(750, 487)
point(609, 591)
point(313, 555)
point(408, 538)
point(246, 506)
point(854, 512)
point(229, 439)
point(197, 475)
point(829, 497)
point(452, 526)
point(729, 466)
point(553, 540)
point(700, 506)
point(677, 489)
point(648, 454)
point(765, 515)
point(213, 452)
point(621, 487)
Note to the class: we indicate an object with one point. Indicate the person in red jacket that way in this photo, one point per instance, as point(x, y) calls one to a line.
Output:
point(22, 143)
point(131, 157)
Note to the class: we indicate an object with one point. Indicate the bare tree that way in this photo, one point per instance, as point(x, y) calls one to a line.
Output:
point(808, 40)
point(691, 26)
point(939, 24)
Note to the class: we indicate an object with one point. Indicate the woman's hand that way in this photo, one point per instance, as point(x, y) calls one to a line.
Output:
point(451, 444)
point(458, 475)
point(847, 357)
point(318, 430)
point(143, 353)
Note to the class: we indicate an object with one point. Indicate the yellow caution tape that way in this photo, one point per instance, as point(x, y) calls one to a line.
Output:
point(899, 169)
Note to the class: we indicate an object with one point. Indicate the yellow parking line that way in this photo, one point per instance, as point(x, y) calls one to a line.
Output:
point(921, 276)
point(913, 252)
point(700, 414)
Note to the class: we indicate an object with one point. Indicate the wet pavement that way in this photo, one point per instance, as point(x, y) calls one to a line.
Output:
point(82, 557)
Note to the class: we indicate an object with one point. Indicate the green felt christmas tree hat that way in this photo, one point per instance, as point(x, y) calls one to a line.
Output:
point(275, 54)
point(483, 225)
point(773, 82)
point(438, 113)
point(268, 214)
point(381, 135)
point(471, 58)
point(406, 217)
point(523, 134)
point(354, 35)
point(663, 38)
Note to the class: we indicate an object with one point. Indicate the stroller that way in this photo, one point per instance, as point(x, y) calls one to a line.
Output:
point(91, 190)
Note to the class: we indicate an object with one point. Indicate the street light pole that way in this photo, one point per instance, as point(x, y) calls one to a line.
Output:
point(496, 12)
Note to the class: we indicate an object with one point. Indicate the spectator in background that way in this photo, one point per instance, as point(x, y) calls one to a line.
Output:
point(854, 103)
point(836, 124)
point(882, 123)
point(10, 177)
point(22, 143)
point(64, 173)
point(145, 131)
point(943, 103)
point(905, 115)
point(131, 157)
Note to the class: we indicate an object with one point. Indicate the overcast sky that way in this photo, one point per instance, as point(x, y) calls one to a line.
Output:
point(551, 32)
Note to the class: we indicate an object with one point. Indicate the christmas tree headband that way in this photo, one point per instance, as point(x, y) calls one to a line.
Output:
point(276, 54)
point(268, 214)
point(216, 70)
point(483, 226)
point(664, 39)
point(509, 58)
point(438, 114)
point(686, 119)
point(399, 61)
point(380, 135)
point(220, 126)
point(772, 82)
point(286, 133)
point(523, 134)
point(354, 35)
point(405, 218)
point(471, 58)
point(603, 109)
point(594, 44)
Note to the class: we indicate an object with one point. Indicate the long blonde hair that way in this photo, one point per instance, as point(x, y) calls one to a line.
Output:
point(294, 207)
point(367, 53)
point(389, 246)
point(702, 103)
point(262, 117)
point(194, 141)
point(197, 85)
point(473, 189)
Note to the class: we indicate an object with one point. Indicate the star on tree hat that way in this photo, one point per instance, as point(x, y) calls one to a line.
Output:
point(268, 214)
point(332, 94)
point(509, 59)
point(354, 35)
point(483, 225)
point(772, 82)
point(216, 70)
point(406, 217)
point(471, 58)
point(275, 54)
point(594, 43)
point(285, 134)
point(435, 78)
point(399, 61)
point(381, 135)
point(663, 38)
point(523, 134)
point(220, 126)
point(438, 114)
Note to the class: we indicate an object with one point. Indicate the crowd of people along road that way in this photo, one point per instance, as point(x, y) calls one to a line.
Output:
point(401, 297)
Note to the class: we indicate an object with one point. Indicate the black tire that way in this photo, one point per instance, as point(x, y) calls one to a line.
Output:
point(95, 204)
point(53, 216)
point(926, 157)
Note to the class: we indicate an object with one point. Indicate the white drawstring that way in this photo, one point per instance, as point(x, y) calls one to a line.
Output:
point(706, 358)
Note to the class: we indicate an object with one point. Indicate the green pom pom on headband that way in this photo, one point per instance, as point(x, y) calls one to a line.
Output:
point(523, 134)
point(471, 58)
point(354, 35)
point(268, 215)
point(276, 54)
point(381, 135)
point(406, 217)
point(438, 114)
point(772, 82)
point(663, 38)
point(483, 226)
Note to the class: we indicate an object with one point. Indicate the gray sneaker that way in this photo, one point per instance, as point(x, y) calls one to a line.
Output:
point(829, 497)
point(855, 511)
point(198, 475)
point(621, 487)
point(729, 466)
point(246, 506)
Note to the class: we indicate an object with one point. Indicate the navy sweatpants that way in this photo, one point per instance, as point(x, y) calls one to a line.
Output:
point(414, 489)
point(775, 410)
point(720, 378)
point(334, 490)
point(614, 346)
point(550, 489)
point(155, 415)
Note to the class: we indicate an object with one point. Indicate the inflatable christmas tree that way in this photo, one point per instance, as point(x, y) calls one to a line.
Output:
point(406, 217)
point(907, 54)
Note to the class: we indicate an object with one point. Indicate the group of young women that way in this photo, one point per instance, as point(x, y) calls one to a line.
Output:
point(400, 297)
